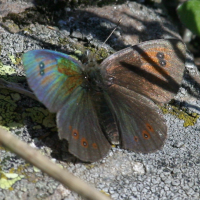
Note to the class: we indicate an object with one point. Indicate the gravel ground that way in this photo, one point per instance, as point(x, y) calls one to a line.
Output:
point(170, 173)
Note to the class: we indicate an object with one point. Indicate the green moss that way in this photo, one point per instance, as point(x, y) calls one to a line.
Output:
point(49, 120)
point(17, 174)
point(12, 115)
point(189, 119)
point(12, 58)
point(17, 132)
point(7, 179)
point(89, 166)
point(36, 169)
point(13, 16)
point(37, 127)
point(7, 110)
point(15, 96)
point(37, 114)
point(15, 124)
point(63, 41)
point(8, 73)
point(6, 69)
point(103, 53)
point(15, 79)
point(11, 26)
point(99, 54)
point(28, 30)
point(41, 116)
point(15, 59)
point(30, 15)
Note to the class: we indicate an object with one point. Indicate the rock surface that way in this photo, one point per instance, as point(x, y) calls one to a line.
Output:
point(171, 173)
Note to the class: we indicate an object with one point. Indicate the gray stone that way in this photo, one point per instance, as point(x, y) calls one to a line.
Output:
point(175, 182)
point(170, 173)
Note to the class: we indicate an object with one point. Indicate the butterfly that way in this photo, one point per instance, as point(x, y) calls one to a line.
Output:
point(115, 100)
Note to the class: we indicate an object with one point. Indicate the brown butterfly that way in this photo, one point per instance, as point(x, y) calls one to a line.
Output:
point(114, 98)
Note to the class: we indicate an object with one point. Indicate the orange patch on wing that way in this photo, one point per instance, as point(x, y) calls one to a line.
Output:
point(149, 127)
point(70, 128)
point(150, 61)
point(75, 134)
point(84, 143)
point(145, 135)
point(154, 70)
point(94, 145)
point(71, 83)
point(76, 80)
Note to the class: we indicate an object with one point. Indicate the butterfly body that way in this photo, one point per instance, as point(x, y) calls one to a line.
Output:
point(115, 97)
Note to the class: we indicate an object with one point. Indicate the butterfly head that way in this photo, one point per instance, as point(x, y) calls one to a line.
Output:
point(91, 71)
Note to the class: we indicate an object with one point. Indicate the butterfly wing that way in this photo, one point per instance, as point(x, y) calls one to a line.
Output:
point(56, 80)
point(140, 124)
point(134, 77)
point(153, 68)
point(82, 130)
point(52, 76)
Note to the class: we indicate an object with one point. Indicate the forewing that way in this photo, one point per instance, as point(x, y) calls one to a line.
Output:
point(139, 121)
point(153, 69)
point(78, 123)
point(52, 76)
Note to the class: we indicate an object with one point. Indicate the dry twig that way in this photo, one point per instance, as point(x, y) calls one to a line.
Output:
point(37, 159)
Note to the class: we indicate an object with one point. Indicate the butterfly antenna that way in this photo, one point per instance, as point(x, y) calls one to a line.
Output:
point(118, 23)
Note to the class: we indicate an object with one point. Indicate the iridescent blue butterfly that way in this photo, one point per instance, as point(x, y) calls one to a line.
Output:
point(114, 98)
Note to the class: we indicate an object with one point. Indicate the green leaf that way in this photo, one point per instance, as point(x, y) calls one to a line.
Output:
point(189, 14)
